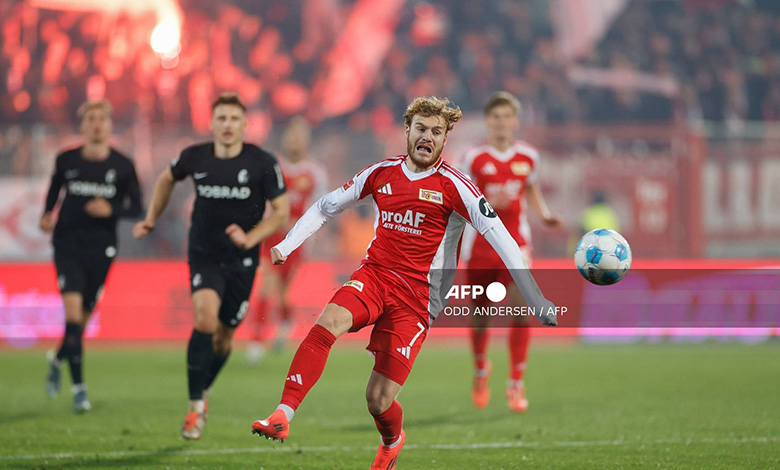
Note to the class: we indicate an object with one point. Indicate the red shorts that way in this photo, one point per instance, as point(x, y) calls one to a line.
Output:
point(484, 268)
point(397, 307)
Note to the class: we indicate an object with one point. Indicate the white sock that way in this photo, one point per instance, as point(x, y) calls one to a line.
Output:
point(82, 387)
point(197, 405)
point(289, 412)
point(397, 441)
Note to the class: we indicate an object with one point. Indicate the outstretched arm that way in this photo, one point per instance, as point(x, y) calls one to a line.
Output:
point(160, 197)
point(539, 204)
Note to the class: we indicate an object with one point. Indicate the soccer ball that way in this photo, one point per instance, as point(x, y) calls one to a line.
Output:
point(603, 256)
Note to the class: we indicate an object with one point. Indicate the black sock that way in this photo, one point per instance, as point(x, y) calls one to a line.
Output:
point(73, 350)
point(216, 366)
point(200, 354)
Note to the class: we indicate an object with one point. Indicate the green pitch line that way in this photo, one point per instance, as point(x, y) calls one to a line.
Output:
point(666, 406)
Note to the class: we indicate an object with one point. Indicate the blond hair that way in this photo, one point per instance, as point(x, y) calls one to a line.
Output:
point(228, 98)
point(502, 98)
point(88, 106)
point(433, 106)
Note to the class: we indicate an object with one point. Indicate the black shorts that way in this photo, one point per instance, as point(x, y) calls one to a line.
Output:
point(233, 284)
point(83, 272)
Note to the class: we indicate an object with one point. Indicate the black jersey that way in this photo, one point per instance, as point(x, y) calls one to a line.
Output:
point(227, 191)
point(113, 179)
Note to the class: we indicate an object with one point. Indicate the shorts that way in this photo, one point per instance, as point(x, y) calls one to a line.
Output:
point(486, 268)
point(83, 272)
point(233, 284)
point(397, 307)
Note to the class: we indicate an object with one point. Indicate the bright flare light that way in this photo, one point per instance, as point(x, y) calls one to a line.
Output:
point(165, 39)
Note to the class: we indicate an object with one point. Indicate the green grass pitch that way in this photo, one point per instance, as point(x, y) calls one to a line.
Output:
point(705, 406)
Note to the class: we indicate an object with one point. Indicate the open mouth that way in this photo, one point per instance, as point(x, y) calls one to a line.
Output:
point(424, 149)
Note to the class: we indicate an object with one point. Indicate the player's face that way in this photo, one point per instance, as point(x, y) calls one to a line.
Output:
point(502, 122)
point(425, 139)
point(228, 124)
point(96, 125)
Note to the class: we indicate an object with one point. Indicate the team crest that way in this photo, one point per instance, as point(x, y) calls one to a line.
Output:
point(243, 177)
point(356, 284)
point(520, 168)
point(431, 196)
point(111, 176)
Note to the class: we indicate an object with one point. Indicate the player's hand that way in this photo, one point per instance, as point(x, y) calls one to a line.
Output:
point(276, 256)
point(237, 236)
point(552, 221)
point(99, 207)
point(47, 223)
point(142, 229)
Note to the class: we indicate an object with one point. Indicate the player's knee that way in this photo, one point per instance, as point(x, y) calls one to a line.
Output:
point(222, 345)
point(335, 319)
point(378, 401)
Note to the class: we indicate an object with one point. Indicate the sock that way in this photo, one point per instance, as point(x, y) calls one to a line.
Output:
point(389, 424)
point(519, 340)
point(72, 349)
point(260, 331)
point(479, 341)
point(200, 354)
point(216, 366)
point(307, 365)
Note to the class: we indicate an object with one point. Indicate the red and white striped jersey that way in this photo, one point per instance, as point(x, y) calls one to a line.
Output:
point(503, 176)
point(419, 219)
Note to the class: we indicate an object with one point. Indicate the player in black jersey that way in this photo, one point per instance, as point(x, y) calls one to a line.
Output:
point(100, 187)
point(233, 180)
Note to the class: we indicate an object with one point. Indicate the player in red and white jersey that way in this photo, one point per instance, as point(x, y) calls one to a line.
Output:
point(421, 206)
point(306, 181)
point(505, 169)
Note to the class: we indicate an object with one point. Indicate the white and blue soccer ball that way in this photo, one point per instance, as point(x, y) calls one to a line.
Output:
point(603, 256)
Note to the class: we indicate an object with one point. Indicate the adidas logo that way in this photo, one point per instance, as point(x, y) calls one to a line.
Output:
point(385, 189)
point(296, 378)
point(489, 169)
point(405, 351)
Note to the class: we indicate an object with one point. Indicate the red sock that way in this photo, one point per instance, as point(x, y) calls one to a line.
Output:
point(519, 339)
point(307, 365)
point(390, 422)
point(479, 340)
point(261, 324)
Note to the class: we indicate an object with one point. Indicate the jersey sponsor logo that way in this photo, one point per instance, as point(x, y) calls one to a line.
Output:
point(408, 222)
point(111, 176)
point(348, 185)
point(509, 188)
point(223, 192)
point(356, 284)
point(486, 209)
point(243, 176)
point(199, 176)
point(90, 189)
point(489, 169)
point(71, 174)
point(386, 189)
point(520, 168)
point(431, 196)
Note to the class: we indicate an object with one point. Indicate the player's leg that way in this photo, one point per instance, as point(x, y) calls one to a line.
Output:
point(200, 350)
point(262, 323)
point(519, 342)
point(381, 394)
point(285, 316)
point(480, 389)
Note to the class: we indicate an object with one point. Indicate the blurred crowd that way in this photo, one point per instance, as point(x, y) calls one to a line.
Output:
point(720, 57)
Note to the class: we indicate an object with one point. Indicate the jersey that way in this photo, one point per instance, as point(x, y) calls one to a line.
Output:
point(419, 219)
point(503, 176)
point(113, 179)
point(227, 191)
point(306, 181)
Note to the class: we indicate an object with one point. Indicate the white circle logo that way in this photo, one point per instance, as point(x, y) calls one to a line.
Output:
point(110, 252)
point(496, 292)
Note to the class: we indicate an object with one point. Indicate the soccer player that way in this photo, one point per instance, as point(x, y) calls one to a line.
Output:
point(306, 182)
point(422, 205)
point(100, 187)
point(233, 180)
point(505, 169)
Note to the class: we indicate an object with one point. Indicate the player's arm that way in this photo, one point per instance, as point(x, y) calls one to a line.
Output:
point(160, 197)
point(280, 207)
point(535, 196)
point(326, 208)
point(57, 179)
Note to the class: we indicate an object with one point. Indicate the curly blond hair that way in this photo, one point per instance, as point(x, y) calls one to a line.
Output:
point(433, 106)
